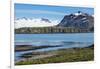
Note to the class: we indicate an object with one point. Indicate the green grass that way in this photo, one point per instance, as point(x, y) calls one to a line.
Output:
point(65, 55)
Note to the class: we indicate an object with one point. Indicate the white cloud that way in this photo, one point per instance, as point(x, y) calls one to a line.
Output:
point(34, 23)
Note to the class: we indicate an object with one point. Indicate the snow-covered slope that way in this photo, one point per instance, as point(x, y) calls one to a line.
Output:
point(40, 22)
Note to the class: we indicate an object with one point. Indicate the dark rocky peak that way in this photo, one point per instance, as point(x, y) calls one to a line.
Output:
point(78, 20)
point(24, 18)
point(46, 20)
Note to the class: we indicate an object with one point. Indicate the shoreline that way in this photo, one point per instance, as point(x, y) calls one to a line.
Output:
point(58, 56)
point(56, 33)
point(20, 48)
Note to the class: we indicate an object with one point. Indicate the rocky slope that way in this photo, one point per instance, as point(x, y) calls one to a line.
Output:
point(78, 20)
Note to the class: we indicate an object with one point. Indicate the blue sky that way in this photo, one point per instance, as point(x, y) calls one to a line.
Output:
point(45, 11)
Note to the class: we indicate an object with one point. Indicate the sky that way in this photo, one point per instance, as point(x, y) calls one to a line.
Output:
point(48, 12)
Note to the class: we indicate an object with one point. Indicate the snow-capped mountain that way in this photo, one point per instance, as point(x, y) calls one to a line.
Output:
point(78, 20)
point(34, 22)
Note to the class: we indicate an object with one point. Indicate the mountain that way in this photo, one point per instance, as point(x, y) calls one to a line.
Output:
point(78, 20)
point(34, 22)
point(24, 18)
point(45, 20)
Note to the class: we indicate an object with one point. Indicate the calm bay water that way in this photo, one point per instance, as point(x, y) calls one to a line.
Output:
point(65, 40)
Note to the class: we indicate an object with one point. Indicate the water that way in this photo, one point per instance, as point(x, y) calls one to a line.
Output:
point(64, 40)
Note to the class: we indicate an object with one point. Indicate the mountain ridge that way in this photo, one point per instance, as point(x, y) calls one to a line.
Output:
point(81, 21)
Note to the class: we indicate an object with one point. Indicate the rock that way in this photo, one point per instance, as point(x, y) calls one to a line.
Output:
point(81, 20)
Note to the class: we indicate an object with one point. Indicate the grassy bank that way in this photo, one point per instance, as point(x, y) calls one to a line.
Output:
point(63, 55)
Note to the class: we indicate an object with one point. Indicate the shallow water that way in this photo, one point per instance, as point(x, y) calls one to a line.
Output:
point(64, 40)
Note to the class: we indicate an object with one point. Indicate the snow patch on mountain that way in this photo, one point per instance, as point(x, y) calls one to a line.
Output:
point(34, 22)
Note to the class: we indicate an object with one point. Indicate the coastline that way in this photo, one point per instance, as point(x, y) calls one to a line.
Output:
point(58, 56)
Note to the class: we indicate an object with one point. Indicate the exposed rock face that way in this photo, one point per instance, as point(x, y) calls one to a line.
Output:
point(46, 20)
point(78, 20)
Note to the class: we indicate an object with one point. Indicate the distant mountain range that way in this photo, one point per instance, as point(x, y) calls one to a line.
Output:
point(34, 22)
point(78, 20)
point(42, 19)
point(72, 23)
